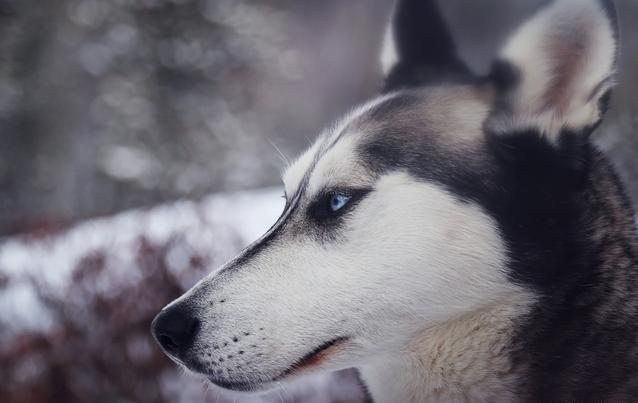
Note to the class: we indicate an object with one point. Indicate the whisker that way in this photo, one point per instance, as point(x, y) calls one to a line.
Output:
point(283, 389)
point(283, 156)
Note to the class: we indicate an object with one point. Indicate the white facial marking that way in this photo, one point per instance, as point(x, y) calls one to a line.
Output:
point(339, 166)
point(295, 173)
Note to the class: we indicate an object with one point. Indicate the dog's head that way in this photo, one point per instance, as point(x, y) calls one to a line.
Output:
point(408, 212)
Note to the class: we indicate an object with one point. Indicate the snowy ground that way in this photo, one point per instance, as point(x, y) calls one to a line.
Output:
point(203, 224)
point(202, 227)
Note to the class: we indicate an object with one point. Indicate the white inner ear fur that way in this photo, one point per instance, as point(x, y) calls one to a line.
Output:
point(565, 55)
point(388, 56)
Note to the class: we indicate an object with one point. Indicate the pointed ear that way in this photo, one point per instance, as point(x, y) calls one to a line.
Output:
point(418, 47)
point(555, 72)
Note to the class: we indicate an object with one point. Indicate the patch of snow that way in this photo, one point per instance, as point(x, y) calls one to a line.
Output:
point(204, 225)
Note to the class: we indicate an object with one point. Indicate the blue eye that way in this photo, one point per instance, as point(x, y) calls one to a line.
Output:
point(338, 201)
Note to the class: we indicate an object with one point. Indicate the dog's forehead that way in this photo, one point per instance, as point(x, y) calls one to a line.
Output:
point(444, 116)
point(298, 173)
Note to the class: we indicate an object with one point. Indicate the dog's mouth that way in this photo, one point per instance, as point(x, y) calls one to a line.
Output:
point(313, 359)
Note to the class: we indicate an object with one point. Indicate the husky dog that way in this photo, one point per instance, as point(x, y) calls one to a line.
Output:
point(458, 238)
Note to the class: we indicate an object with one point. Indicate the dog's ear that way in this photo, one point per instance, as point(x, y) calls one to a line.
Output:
point(418, 47)
point(555, 73)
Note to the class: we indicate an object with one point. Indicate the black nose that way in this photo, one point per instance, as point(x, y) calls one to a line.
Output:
point(174, 329)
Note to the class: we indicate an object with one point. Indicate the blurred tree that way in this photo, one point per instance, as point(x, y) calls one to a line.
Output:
point(100, 341)
point(116, 104)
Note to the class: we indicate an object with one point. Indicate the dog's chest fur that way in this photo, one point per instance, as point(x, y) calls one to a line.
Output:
point(465, 360)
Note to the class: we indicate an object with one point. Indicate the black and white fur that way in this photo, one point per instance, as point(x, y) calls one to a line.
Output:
point(487, 253)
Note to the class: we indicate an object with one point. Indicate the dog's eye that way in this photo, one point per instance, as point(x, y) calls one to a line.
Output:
point(338, 201)
point(331, 205)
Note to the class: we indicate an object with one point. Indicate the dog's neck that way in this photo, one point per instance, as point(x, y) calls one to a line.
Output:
point(464, 360)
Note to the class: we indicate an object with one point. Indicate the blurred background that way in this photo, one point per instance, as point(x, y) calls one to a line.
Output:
point(141, 143)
